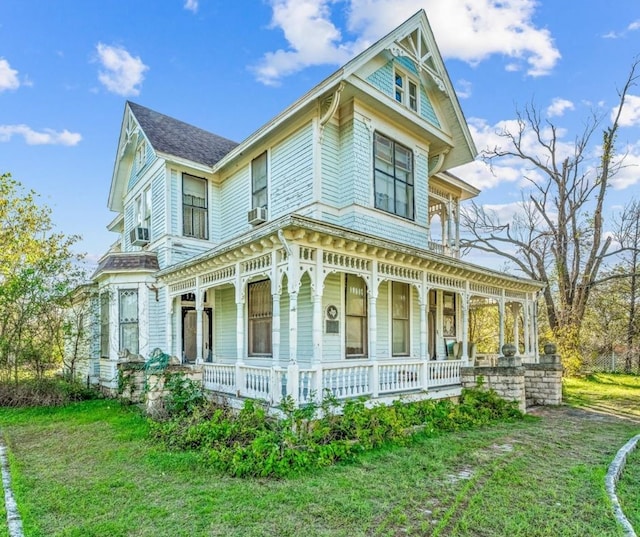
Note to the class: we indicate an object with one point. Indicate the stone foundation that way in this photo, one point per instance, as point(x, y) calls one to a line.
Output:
point(507, 382)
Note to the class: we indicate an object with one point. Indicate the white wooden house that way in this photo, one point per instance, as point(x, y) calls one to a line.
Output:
point(319, 253)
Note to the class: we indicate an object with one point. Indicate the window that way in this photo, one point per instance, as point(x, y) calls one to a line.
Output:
point(195, 214)
point(259, 315)
point(393, 177)
point(143, 209)
point(259, 181)
point(400, 318)
point(356, 317)
point(406, 91)
point(104, 325)
point(128, 320)
point(141, 155)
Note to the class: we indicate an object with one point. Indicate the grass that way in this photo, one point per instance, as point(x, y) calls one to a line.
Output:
point(87, 470)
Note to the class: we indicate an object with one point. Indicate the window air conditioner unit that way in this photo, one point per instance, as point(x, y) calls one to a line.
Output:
point(139, 236)
point(257, 215)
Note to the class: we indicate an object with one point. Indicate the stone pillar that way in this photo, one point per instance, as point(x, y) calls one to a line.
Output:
point(543, 381)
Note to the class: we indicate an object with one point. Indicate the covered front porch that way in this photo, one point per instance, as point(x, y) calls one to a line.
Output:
point(308, 309)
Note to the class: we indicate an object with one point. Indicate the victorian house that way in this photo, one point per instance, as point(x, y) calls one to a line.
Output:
point(320, 253)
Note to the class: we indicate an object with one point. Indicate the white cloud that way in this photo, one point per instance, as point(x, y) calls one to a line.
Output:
point(122, 73)
point(463, 89)
point(44, 137)
point(313, 39)
point(191, 5)
point(559, 106)
point(629, 173)
point(630, 113)
point(635, 25)
point(469, 30)
point(8, 76)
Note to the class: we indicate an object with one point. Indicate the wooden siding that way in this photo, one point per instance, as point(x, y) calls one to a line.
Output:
point(331, 166)
point(347, 164)
point(291, 173)
point(383, 345)
point(363, 165)
point(225, 324)
point(158, 210)
point(305, 322)
point(235, 202)
point(129, 216)
point(332, 295)
point(175, 206)
point(138, 172)
point(157, 321)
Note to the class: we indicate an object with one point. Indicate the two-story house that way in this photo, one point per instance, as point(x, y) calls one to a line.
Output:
point(321, 253)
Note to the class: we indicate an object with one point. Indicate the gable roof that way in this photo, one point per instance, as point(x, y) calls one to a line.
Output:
point(179, 139)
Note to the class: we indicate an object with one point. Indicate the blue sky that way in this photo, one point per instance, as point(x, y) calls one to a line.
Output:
point(68, 66)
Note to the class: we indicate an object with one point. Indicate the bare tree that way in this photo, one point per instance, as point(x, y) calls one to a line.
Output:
point(559, 237)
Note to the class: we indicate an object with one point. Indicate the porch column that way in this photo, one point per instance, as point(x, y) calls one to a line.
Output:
point(515, 311)
point(199, 311)
point(275, 329)
point(318, 317)
point(501, 312)
point(450, 227)
point(169, 323)
point(424, 306)
point(293, 326)
point(373, 312)
point(177, 326)
point(464, 300)
point(239, 317)
point(527, 341)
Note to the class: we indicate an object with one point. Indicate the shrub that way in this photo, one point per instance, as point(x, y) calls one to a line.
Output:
point(252, 443)
point(44, 392)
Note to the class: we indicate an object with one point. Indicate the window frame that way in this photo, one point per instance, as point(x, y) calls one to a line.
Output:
point(256, 192)
point(406, 321)
point(402, 93)
point(264, 315)
point(192, 209)
point(141, 155)
point(362, 317)
point(128, 322)
point(143, 208)
point(395, 178)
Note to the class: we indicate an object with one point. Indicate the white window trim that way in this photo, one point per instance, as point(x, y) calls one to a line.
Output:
point(406, 81)
point(141, 155)
point(268, 187)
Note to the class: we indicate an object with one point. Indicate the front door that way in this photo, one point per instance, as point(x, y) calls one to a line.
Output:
point(189, 334)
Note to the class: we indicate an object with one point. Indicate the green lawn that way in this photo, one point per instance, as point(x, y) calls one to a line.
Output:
point(88, 470)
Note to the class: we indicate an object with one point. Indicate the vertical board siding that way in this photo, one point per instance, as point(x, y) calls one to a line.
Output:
point(382, 314)
point(224, 339)
point(305, 322)
point(291, 174)
point(331, 171)
point(332, 295)
point(235, 203)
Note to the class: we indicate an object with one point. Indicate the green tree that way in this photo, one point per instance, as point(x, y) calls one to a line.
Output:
point(38, 271)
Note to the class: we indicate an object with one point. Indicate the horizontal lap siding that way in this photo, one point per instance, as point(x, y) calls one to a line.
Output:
point(129, 216)
point(291, 174)
point(363, 163)
point(175, 205)
point(158, 210)
point(331, 172)
point(305, 321)
point(157, 321)
point(332, 295)
point(235, 203)
point(347, 165)
point(225, 323)
point(382, 314)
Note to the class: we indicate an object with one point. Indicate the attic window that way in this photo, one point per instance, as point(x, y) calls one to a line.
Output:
point(141, 155)
point(406, 90)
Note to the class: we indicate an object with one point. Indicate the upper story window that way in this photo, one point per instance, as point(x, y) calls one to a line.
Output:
point(143, 209)
point(259, 181)
point(195, 212)
point(393, 176)
point(406, 90)
point(141, 155)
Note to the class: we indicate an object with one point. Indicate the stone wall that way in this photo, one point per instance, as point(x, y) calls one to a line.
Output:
point(528, 385)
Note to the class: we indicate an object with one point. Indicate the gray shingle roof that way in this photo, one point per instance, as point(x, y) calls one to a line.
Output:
point(179, 139)
point(127, 261)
